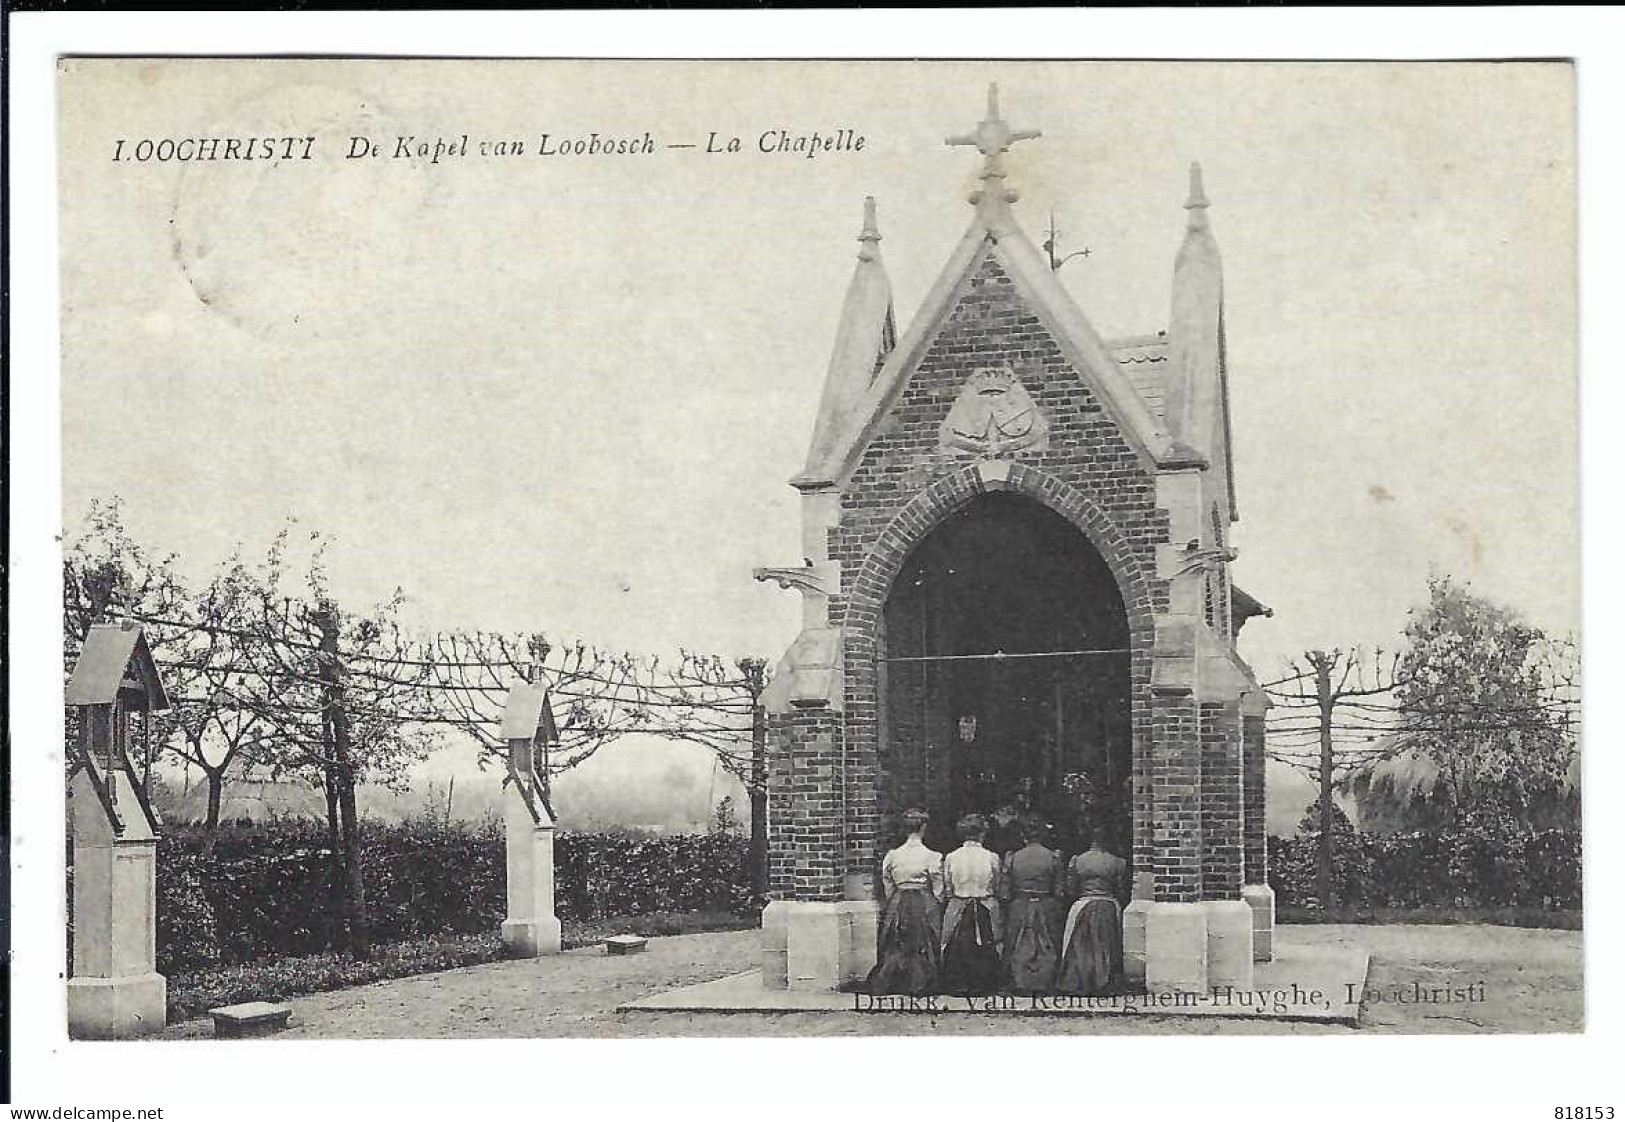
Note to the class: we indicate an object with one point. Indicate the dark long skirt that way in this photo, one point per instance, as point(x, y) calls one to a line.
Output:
point(1093, 960)
point(970, 953)
point(1032, 943)
point(909, 954)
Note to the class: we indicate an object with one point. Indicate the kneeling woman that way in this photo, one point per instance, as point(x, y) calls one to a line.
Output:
point(970, 924)
point(1092, 961)
point(910, 950)
point(1032, 922)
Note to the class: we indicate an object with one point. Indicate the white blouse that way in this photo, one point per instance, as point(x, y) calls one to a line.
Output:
point(914, 865)
point(972, 871)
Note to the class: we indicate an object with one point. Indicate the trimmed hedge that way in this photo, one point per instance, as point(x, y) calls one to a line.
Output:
point(266, 890)
point(1481, 865)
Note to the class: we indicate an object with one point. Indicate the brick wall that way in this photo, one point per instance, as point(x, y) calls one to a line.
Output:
point(903, 487)
point(1254, 844)
point(1221, 801)
point(804, 805)
point(1176, 799)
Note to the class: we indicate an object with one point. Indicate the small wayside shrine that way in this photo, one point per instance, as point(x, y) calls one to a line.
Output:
point(116, 990)
point(1017, 594)
point(530, 732)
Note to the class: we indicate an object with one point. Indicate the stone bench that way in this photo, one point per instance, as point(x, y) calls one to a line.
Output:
point(625, 944)
point(251, 1018)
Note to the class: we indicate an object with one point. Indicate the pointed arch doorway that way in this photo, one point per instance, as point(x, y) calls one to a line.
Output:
point(1005, 675)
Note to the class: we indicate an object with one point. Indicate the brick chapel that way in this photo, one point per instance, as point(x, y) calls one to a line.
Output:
point(1016, 593)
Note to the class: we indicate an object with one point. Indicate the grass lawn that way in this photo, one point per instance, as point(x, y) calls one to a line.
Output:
point(1522, 980)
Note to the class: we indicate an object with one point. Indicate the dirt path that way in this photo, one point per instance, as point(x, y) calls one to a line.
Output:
point(1504, 980)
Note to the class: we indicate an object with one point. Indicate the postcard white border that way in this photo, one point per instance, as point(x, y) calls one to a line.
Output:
point(1520, 1077)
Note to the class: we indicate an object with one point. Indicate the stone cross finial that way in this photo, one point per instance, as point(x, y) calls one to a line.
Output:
point(993, 135)
point(992, 138)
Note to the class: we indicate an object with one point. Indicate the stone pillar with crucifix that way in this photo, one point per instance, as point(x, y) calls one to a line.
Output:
point(115, 989)
point(529, 731)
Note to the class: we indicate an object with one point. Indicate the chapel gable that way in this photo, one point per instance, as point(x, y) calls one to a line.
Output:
point(993, 382)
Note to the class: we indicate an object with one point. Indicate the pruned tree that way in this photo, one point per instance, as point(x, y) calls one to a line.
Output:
point(601, 697)
point(221, 701)
point(345, 698)
point(1332, 718)
point(597, 695)
point(267, 671)
point(704, 699)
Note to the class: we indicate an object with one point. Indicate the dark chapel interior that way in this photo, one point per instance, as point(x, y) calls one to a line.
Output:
point(1006, 671)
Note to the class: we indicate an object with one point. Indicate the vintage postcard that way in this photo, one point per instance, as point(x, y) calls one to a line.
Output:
point(587, 548)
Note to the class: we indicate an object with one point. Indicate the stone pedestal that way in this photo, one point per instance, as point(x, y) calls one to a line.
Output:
point(529, 938)
point(1261, 899)
point(1134, 917)
point(531, 928)
point(814, 946)
point(116, 1008)
point(1176, 948)
point(860, 939)
point(1229, 944)
point(775, 945)
point(115, 990)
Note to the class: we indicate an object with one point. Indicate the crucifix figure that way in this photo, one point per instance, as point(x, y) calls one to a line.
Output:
point(992, 138)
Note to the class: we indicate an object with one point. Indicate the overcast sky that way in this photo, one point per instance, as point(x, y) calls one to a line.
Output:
point(566, 393)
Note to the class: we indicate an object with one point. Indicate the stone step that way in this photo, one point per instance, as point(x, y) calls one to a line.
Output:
point(625, 944)
point(251, 1018)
